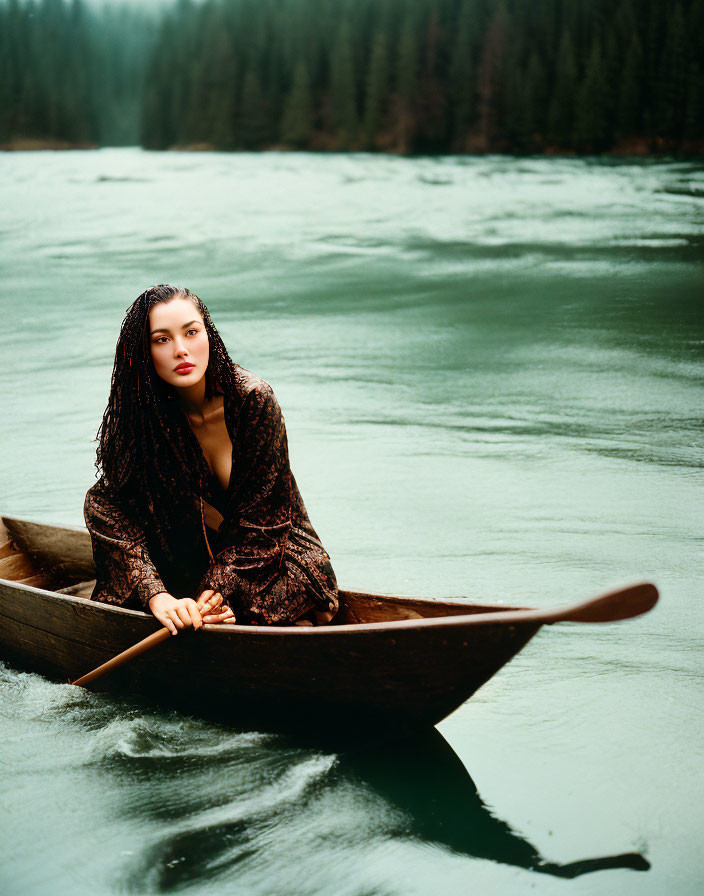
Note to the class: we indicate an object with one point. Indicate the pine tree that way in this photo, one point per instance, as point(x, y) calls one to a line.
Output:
point(612, 68)
point(343, 89)
point(297, 122)
point(406, 79)
point(10, 70)
point(254, 130)
point(155, 124)
point(694, 112)
point(590, 120)
point(561, 114)
point(629, 91)
point(222, 94)
point(195, 123)
point(671, 92)
point(376, 89)
point(516, 124)
point(461, 80)
point(655, 28)
point(491, 75)
point(525, 101)
point(430, 100)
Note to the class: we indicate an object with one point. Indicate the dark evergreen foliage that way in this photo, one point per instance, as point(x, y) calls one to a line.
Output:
point(391, 75)
point(71, 74)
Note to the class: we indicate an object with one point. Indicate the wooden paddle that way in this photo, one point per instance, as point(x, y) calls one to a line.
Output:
point(624, 603)
point(146, 644)
point(610, 607)
point(124, 657)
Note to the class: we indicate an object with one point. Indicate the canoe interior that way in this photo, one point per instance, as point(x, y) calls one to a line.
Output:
point(60, 559)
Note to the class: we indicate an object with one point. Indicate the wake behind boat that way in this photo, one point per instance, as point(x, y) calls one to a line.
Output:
point(385, 661)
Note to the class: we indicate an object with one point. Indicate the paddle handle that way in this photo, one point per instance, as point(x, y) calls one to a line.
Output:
point(610, 607)
point(156, 638)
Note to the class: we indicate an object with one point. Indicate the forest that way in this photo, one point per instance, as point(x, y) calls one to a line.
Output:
point(399, 76)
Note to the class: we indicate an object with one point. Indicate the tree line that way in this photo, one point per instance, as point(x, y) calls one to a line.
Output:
point(404, 76)
point(71, 74)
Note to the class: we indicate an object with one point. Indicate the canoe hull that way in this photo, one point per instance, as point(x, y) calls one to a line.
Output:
point(404, 675)
point(388, 662)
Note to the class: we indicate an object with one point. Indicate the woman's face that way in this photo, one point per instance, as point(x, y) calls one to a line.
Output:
point(179, 342)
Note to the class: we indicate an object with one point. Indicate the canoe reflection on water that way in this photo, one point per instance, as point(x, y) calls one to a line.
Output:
point(418, 790)
point(428, 781)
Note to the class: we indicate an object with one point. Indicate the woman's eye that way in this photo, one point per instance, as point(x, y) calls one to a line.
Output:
point(161, 339)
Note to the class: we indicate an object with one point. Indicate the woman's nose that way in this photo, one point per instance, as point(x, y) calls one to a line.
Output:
point(179, 347)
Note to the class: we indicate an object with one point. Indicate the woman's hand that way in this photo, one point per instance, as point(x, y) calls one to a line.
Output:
point(213, 610)
point(175, 613)
point(181, 613)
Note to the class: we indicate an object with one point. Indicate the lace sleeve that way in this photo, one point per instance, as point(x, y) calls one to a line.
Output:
point(124, 569)
point(272, 567)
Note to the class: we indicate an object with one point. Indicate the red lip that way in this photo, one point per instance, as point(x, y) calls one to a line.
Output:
point(184, 366)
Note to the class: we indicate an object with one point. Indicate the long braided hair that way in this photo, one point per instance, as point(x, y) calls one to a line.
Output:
point(140, 454)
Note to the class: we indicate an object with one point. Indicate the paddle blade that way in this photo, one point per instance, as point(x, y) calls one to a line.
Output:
point(622, 604)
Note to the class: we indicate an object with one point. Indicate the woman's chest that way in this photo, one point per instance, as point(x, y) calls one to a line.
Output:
point(214, 440)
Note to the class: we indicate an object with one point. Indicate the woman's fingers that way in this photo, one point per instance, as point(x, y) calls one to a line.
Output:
point(208, 601)
point(193, 612)
point(221, 608)
point(212, 618)
point(230, 621)
point(226, 615)
point(167, 622)
point(213, 604)
point(204, 598)
point(161, 605)
point(183, 614)
point(175, 618)
point(209, 609)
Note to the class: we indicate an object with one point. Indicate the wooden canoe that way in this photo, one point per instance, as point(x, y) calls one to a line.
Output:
point(389, 661)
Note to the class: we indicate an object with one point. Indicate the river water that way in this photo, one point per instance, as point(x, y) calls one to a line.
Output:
point(490, 370)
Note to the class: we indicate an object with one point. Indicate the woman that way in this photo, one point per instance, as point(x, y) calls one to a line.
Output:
point(196, 515)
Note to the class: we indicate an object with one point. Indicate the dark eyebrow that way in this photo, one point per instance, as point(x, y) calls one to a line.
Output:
point(162, 330)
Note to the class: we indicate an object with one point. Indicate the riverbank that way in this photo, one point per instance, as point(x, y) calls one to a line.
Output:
point(25, 144)
point(637, 146)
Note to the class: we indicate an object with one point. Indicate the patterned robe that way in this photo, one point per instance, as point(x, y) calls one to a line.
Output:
point(265, 558)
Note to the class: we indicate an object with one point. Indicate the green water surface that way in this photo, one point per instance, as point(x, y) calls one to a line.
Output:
point(490, 370)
